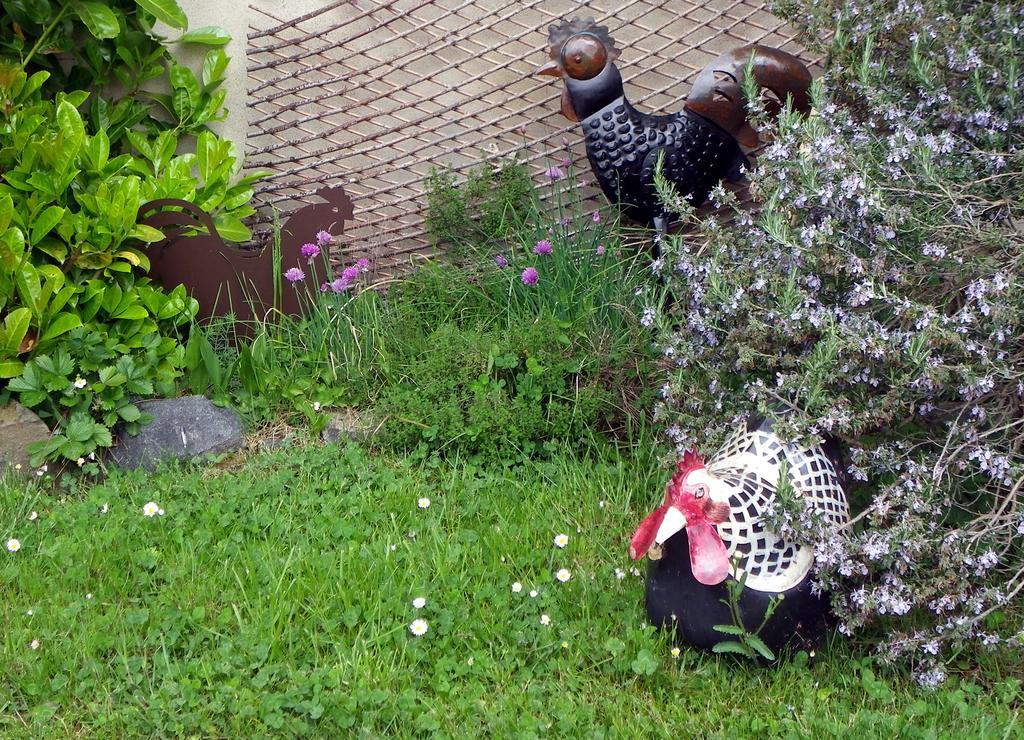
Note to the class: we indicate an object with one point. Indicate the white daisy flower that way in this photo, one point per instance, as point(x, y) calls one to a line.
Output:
point(675, 652)
point(600, 504)
point(33, 516)
point(620, 573)
point(88, 597)
point(316, 405)
point(423, 503)
point(533, 594)
point(563, 575)
point(545, 619)
point(561, 540)
point(30, 612)
point(151, 509)
point(419, 602)
point(517, 587)
point(419, 627)
point(13, 545)
point(34, 644)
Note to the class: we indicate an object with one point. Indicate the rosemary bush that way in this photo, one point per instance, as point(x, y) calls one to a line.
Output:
point(875, 292)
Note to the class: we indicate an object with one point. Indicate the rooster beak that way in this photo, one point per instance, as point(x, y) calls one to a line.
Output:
point(663, 522)
point(551, 69)
point(673, 522)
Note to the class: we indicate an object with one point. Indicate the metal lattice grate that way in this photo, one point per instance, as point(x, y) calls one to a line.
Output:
point(372, 94)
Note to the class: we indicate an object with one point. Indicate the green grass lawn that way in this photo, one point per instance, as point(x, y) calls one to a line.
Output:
point(276, 597)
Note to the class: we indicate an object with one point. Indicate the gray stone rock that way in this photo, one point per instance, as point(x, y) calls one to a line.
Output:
point(19, 428)
point(349, 423)
point(182, 428)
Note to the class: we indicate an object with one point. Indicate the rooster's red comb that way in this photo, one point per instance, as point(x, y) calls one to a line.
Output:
point(690, 460)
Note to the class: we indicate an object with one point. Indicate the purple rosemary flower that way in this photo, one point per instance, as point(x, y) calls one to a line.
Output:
point(542, 247)
point(294, 275)
point(500, 260)
point(310, 251)
point(554, 173)
point(529, 276)
point(323, 238)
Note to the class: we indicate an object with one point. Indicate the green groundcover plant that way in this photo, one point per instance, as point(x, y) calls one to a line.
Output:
point(875, 293)
point(85, 333)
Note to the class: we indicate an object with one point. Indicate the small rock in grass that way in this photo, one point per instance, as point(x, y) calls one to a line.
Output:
point(351, 423)
point(19, 428)
point(182, 429)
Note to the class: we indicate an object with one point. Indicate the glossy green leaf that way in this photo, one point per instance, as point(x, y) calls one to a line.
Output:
point(45, 221)
point(232, 229)
point(97, 17)
point(11, 368)
point(61, 324)
point(214, 64)
point(15, 327)
point(208, 35)
point(166, 11)
point(6, 211)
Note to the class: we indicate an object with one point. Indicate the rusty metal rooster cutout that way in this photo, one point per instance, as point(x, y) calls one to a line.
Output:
point(700, 146)
point(227, 279)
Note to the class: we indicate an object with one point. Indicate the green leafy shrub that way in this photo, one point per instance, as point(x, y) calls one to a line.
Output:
point(84, 331)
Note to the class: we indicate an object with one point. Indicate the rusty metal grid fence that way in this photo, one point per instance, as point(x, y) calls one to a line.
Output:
point(373, 94)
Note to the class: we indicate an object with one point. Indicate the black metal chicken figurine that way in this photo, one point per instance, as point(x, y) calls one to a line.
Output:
point(711, 526)
point(700, 146)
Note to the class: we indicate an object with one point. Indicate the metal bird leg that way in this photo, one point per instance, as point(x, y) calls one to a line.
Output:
point(660, 229)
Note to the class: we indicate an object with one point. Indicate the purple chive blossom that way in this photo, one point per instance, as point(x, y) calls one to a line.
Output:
point(363, 264)
point(596, 217)
point(294, 275)
point(325, 287)
point(567, 221)
point(324, 238)
point(340, 285)
point(350, 274)
point(600, 249)
point(567, 163)
point(309, 251)
point(542, 247)
point(500, 261)
point(554, 173)
point(530, 276)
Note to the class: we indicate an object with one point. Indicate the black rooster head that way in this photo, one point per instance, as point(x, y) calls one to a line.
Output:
point(583, 55)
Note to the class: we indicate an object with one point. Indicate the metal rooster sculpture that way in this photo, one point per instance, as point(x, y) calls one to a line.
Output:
point(224, 278)
point(700, 146)
point(710, 528)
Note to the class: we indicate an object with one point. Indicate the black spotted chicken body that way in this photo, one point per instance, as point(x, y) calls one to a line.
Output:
point(623, 146)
